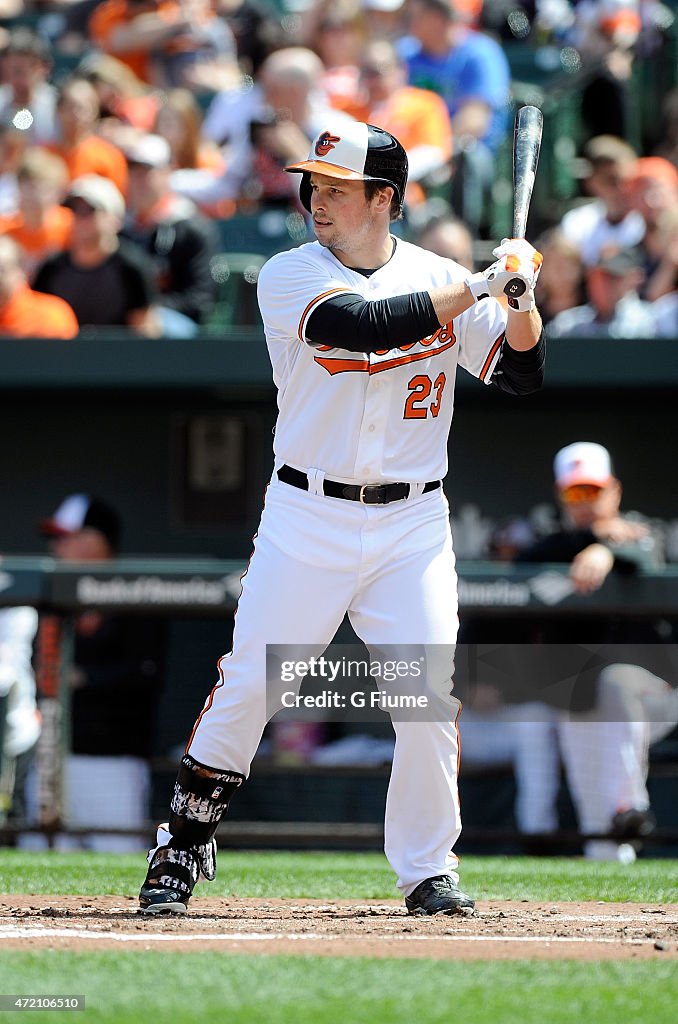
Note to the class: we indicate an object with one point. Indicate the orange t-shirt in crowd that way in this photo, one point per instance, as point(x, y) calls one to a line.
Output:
point(94, 156)
point(39, 243)
point(417, 117)
point(110, 15)
point(139, 111)
point(30, 314)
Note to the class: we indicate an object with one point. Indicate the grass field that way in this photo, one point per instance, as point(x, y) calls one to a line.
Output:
point(187, 988)
point(122, 987)
point(347, 876)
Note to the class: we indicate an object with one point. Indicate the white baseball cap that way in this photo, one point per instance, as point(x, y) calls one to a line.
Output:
point(383, 5)
point(583, 462)
point(99, 193)
point(150, 151)
point(78, 511)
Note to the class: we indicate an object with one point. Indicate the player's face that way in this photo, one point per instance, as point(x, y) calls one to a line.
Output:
point(343, 218)
point(84, 545)
point(584, 505)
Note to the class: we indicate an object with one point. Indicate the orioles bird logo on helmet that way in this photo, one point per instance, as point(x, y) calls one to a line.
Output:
point(325, 143)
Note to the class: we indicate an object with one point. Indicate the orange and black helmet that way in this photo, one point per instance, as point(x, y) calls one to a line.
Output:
point(355, 151)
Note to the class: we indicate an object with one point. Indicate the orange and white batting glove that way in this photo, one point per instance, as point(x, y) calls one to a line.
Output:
point(512, 276)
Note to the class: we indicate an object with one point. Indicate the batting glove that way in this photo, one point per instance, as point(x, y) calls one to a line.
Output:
point(512, 276)
point(519, 247)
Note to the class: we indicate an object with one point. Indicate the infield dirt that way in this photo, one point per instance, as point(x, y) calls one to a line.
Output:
point(372, 928)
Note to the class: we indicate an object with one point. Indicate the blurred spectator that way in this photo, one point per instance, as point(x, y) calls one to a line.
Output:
point(384, 19)
point(336, 32)
point(106, 281)
point(168, 43)
point(115, 681)
point(11, 8)
point(267, 128)
point(609, 166)
point(614, 309)
point(124, 100)
point(605, 33)
point(178, 241)
point(27, 100)
point(257, 28)
point(665, 312)
point(80, 148)
point(417, 117)
point(25, 313)
point(655, 196)
point(563, 285)
point(41, 225)
point(179, 122)
point(449, 237)
point(668, 146)
point(66, 25)
point(205, 58)
point(470, 71)
point(12, 149)
point(19, 718)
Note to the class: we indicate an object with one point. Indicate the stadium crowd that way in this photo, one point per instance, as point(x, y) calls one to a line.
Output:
point(133, 131)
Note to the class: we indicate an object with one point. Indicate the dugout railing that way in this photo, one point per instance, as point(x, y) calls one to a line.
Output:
point(209, 588)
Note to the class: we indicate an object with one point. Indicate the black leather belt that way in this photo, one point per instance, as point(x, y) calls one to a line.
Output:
point(366, 494)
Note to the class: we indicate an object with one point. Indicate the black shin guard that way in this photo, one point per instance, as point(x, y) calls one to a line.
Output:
point(201, 796)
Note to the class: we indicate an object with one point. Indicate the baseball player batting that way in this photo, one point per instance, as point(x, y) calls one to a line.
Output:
point(365, 333)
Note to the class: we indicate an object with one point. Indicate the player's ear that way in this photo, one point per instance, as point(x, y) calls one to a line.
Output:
point(383, 198)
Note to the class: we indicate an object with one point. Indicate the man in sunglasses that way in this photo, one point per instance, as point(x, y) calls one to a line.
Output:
point(595, 537)
point(104, 279)
point(605, 734)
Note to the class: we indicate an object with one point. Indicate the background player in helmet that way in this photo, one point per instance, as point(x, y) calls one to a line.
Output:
point(365, 333)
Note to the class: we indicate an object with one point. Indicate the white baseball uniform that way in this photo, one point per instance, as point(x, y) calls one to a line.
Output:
point(361, 418)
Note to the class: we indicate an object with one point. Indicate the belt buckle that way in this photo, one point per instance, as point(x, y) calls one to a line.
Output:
point(379, 489)
point(371, 487)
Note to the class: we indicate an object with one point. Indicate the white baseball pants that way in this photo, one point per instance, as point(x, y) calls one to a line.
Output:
point(392, 568)
point(606, 756)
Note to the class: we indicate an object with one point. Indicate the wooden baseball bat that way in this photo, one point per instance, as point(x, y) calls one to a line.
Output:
point(526, 144)
point(527, 132)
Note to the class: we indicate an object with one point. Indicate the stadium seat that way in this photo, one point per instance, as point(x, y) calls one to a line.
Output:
point(236, 275)
point(264, 233)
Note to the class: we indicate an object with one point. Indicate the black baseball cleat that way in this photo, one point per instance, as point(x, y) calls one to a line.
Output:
point(633, 824)
point(158, 901)
point(439, 895)
point(173, 873)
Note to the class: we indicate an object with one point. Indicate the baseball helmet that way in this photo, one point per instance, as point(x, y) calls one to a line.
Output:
point(355, 152)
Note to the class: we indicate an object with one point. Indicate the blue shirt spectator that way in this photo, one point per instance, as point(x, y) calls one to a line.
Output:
point(463, 66)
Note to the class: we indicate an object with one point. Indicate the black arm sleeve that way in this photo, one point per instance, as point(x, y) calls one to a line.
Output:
point(520, 373)
point(348, 321)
